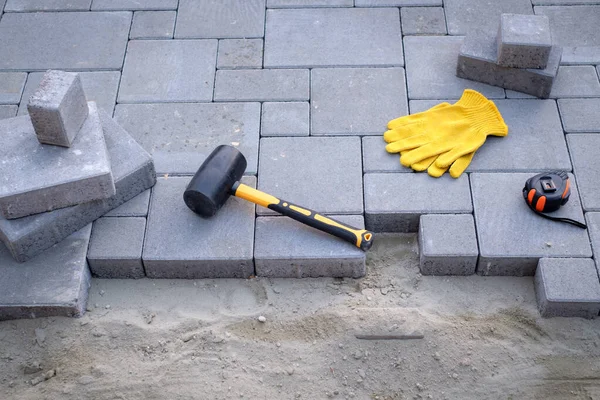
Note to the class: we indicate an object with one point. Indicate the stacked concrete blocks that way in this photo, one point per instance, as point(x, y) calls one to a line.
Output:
point(524, 41)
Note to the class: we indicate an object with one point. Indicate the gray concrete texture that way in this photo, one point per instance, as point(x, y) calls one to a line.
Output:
point(580, 115)
point(423, 21)
point(583, 149)
point(524, 41)
point(285, 119)
point(376, 159)
point(8, 111)
point(11, 87)
point(136, 207)
point(464, 16)
point(153, 25)
point(308, 3)
point(592, 220)
point(47, 5)
point(262, 85)
point(134, 5)
point(240, 53)
point(396, 3)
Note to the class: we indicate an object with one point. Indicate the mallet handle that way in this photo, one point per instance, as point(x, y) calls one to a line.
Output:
point(361, 238)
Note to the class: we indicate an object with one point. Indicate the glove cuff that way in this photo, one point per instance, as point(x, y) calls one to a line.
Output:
point(488, 119)
point(471, 98)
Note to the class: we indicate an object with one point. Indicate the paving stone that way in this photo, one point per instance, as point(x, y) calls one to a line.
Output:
point(567, 287)
point(7, 111)
point(47, 5)
point(322, 38)
point(153, 25)
point(395, 202)
point(37, 41)
point(240, 53)
point(134, 5)
point(285, 119)
point(338, 100)
point(463, 16)
point(285, 248)
point(115, 249)
point(593, 223)
point(220, 19)
point(376, 159)
point(431, 69)
point(37, 178)
point(181, 136)
point(136, 207)
point(2, 2)
point(512, 238)
point(580, 115)
point(308, 3)
point(447, 244)
point(262, 85)
point(524, 41)
point(584, 153)
point(53, 285)
point(576, 30)
point(181, 244)
point(133, 173)
point(11, 86)
point(396, 3)
point(575, 81)
point(168, 70)
point(423, 21)
point(323, 174)
point(562, 2)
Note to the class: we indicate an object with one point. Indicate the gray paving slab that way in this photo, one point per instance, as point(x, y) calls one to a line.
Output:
point(423, 21)
point(308, 3)
point(592, 220)
point(431, 69)
point(285, 119)
point(376, 159)
point(181, 136)
point(262, 85)
point(115, 249)
point(575, 29)
point(567, 287)
point(463, 16)
point(323, 38)
point(153, 25)
point(53, 285)
point(11, 87)
point(133, 172)
point(99, 86)
point(394, 202)
point(562, 2)
point(285, 248)
point(220, 19)
point(36, 178)
point(584, 153)
point(134, 5)
point(47, 5)
point(512, 238)
point(396, 3)
point(181, 244)
point(338, 95)
point(575, 81)
point(7, 111)
point(136, 207)
point(37, 41)
point(168, 71)
point(2, 3)
point(240, 53)
point(447, 244)
point(524, 41)
point(580, 115)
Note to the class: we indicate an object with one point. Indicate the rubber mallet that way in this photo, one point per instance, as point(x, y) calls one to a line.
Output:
point(218, 178)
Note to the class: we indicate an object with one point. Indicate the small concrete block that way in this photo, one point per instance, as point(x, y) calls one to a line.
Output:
point(53, 285)
point(285, 119)
point(463, 16)
point(285, 248)
point(308, 3)
point(133, 173)
point(47, 5)
point(153, 25)
point(111, 5)
point(423, 21)
point(58, 108)
point(322, 37)
point(116, 248)
point(567, 287)
point(168, 71)
point(136, 207)
point(11, 87)
point(240, 53)
point(323, 174)
point(181, 136)
point(35, 178)
point(7, 111)
point(580, 115)
point(524, 41)
point(575, 81)
point(592, 220)
point(477, 61)
point(395, 202)
point(376, 159)
point(396, 3)
point(584, 153)
point(262, 85)
point(181, 244)
point(512, 238)
point(447, 244)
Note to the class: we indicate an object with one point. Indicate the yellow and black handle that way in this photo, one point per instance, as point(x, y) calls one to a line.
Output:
point(361, 238)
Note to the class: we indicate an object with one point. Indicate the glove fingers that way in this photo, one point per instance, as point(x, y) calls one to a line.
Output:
point(407, 144)
point(401, 133)
point(454, 154)
point(408, 119)
point(421, 153)
point(436, 171)
point(423, 164)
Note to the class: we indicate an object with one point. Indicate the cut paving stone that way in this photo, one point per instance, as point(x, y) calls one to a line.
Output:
point(168, 70)
point(7, 111)
point(322, 38)
point(575, 81)
point(11, 87)
point(285, 119)
point(376, 159)
point(338, 105)
point(285, 248)
point(136, 207)
point(580, 115)
point(53, 285)
point(133, 173)
point(463, 16)
point(181, 136)
point(47, 5)
point(567, 287)
point(181, 244)
point(308, 3)
point(134, 5)
point(512, 238)
point(153, 25)
point(396, 3)
point(423, 21)
point(36, 41)
point(447, 244)
point(323, 174)
point(593, 223)
point(431, 69)
point(524, 41)
point(240, 53)
point(262, 85)
point(220, 19)
point(36, 178)
point(584, 153)
point(115, 249)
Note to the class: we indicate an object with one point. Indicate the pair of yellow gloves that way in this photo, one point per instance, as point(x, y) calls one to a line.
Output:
point(446, 136)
